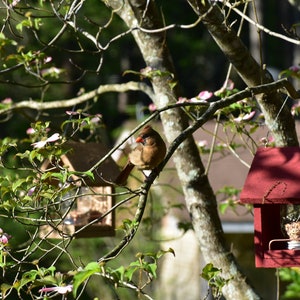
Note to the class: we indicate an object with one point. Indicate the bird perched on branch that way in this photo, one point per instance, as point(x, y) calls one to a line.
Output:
point(149, 153)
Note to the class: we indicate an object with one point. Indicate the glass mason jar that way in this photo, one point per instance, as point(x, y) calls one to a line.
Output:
point(290, 224)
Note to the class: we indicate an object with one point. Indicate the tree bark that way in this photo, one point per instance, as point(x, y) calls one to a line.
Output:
point(277, 115)
point(200, 198)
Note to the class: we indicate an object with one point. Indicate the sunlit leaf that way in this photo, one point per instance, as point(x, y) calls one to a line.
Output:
point(83, 275)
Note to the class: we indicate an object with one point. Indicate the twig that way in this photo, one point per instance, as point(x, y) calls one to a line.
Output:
point(259, 26)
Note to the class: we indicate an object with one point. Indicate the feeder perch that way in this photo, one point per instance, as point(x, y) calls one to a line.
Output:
point(273, 187)
point(82, 205)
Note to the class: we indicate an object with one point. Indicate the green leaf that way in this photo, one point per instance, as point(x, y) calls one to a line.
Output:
point(17, 184)
point(223, 207)
point(151, 268)
point(209, 271)
point(4, 288)
point(62, 177)
point(90, 175)
point(27, 277)
point(118, 274)
point(163, 252)
point(83, 275)
point(129, 273)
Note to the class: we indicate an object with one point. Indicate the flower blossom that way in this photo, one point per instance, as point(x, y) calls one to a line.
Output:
point(7, 101)
point(52, 71)
point(295, 109)
point(204, 95)
point(229, 85)
point(182, 100)
point(203, 143)
point(4, 237)
point(267, 140)
point(47, 59)
point(201, 97)
point(152, 107)
point(294, 68)
point(245, 117)
point(53, 138)
point(96, 119)
point(72, 113)
point(30, 131)
point(59, 289)
point(31, 191)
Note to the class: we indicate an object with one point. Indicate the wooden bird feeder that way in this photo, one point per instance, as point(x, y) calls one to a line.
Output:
point(273, 187)
point(82, 205)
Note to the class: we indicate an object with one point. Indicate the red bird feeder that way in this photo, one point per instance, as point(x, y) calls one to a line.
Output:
point(273, 187)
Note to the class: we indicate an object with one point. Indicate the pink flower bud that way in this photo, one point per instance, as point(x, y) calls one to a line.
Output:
point(4, 239)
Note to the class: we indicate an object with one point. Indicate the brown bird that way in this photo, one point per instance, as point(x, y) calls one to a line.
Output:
point(146, 156)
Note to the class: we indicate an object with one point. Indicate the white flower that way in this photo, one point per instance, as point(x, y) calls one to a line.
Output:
point(245, 117)
point(203, 143)
point(59, 289)
point(53, 138)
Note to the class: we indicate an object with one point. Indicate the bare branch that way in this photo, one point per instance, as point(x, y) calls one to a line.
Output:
point(64, 103)
point(261, 27)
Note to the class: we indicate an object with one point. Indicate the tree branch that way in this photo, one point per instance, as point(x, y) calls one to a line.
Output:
point(251, 73)
point(260, 27)
point(212, 108)
point(64, 103)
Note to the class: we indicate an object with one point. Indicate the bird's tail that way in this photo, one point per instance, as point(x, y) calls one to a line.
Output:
point(123, 176)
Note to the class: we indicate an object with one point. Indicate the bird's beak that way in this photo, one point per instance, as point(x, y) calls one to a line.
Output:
point(139, 139)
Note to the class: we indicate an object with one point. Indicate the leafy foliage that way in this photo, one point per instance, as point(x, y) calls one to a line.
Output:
point(292, 277)
point(215, 280)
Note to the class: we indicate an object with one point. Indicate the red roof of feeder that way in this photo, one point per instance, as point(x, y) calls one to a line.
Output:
point(274, 177)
